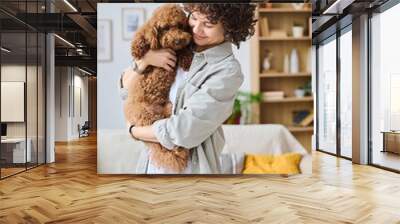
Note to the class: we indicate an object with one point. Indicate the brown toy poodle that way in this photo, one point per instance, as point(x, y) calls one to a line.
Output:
point(147, 99)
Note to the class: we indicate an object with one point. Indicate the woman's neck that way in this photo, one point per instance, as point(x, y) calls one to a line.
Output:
point(202, 48)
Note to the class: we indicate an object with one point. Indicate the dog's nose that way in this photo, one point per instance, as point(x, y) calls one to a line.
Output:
point(177, 41)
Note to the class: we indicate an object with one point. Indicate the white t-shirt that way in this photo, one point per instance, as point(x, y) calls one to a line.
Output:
point(179, 80)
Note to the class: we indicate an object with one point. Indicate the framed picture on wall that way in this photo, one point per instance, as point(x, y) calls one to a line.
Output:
point(132, 19)
point(104, 40)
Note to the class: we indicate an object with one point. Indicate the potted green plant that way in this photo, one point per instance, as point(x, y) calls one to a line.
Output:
point(307, 89)
point(304, 90)
point(297, 30)
point(241, 107)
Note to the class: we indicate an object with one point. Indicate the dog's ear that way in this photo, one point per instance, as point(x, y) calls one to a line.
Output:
point(185, 57)
point(139, 46)
point(153, 38)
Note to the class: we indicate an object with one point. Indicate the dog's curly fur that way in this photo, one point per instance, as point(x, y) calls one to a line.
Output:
point(148, 95)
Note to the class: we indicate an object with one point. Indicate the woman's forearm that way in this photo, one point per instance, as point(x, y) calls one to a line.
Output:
point(144, 133)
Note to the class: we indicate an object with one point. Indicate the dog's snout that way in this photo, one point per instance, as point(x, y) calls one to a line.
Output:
point(178, 41)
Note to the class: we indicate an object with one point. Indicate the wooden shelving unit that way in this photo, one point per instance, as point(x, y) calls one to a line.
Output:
point(291, 99)
point(285, 38)
point(280, 111)
point(284, 75)
point(286, 9)
point(300, 129)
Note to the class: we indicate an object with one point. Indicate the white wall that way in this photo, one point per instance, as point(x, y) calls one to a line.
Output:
point(108, 101)
point(79, 117)
point(61, 103)
point(66, 121)
point(243, 55)
point(117, 153)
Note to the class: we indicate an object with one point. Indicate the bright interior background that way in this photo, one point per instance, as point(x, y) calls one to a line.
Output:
point(327, 99)
point(385, 78)
point(346, 75)
point(327, 96)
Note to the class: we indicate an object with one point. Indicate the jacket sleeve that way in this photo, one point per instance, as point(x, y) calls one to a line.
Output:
point(202, 113)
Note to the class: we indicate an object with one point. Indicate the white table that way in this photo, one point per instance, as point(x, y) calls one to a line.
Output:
point(18, 145)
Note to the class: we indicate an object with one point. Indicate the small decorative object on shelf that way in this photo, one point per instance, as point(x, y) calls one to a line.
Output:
point(297, 30)
point(299, 93)
point(264, 26)
point(299, 115)
point(286, 64)
point(308, 88)
point(273, 95)
point(303, 91)
point(307, 121)
point(303, 118)
point(278, 33)
point(294, 61)
point(266, 66)
point(298, 6)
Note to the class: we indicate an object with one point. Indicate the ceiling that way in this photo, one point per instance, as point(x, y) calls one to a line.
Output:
point(332, 15)
point(72, 20)
point(77, 25)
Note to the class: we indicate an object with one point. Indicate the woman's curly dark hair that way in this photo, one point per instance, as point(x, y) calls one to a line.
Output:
point(237, 19)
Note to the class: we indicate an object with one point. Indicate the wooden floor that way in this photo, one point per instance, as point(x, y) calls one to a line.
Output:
point(387, 159)
point(70, 191)
point(5, 172)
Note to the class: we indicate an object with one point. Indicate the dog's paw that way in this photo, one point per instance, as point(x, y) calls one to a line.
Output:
point(168, 109)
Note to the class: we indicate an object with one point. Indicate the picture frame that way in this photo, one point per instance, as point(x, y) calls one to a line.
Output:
point(104, 40)
point(132, 19)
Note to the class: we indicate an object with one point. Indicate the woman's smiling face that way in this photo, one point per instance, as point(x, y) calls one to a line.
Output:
point(204, 32)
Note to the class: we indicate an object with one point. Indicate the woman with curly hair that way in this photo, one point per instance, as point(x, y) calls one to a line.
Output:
point(203, 97)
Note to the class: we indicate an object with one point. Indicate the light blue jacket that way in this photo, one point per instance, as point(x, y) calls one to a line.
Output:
point(203, 103)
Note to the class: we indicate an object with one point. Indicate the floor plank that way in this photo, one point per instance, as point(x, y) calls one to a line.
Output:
point(70, 191)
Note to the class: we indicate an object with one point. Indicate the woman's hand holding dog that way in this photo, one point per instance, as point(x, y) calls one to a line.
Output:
point(163, 58)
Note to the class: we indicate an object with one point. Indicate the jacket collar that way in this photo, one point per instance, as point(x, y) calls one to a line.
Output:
point(216, 53)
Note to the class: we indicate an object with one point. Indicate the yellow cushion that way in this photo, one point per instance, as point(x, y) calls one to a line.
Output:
point(287, 163)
